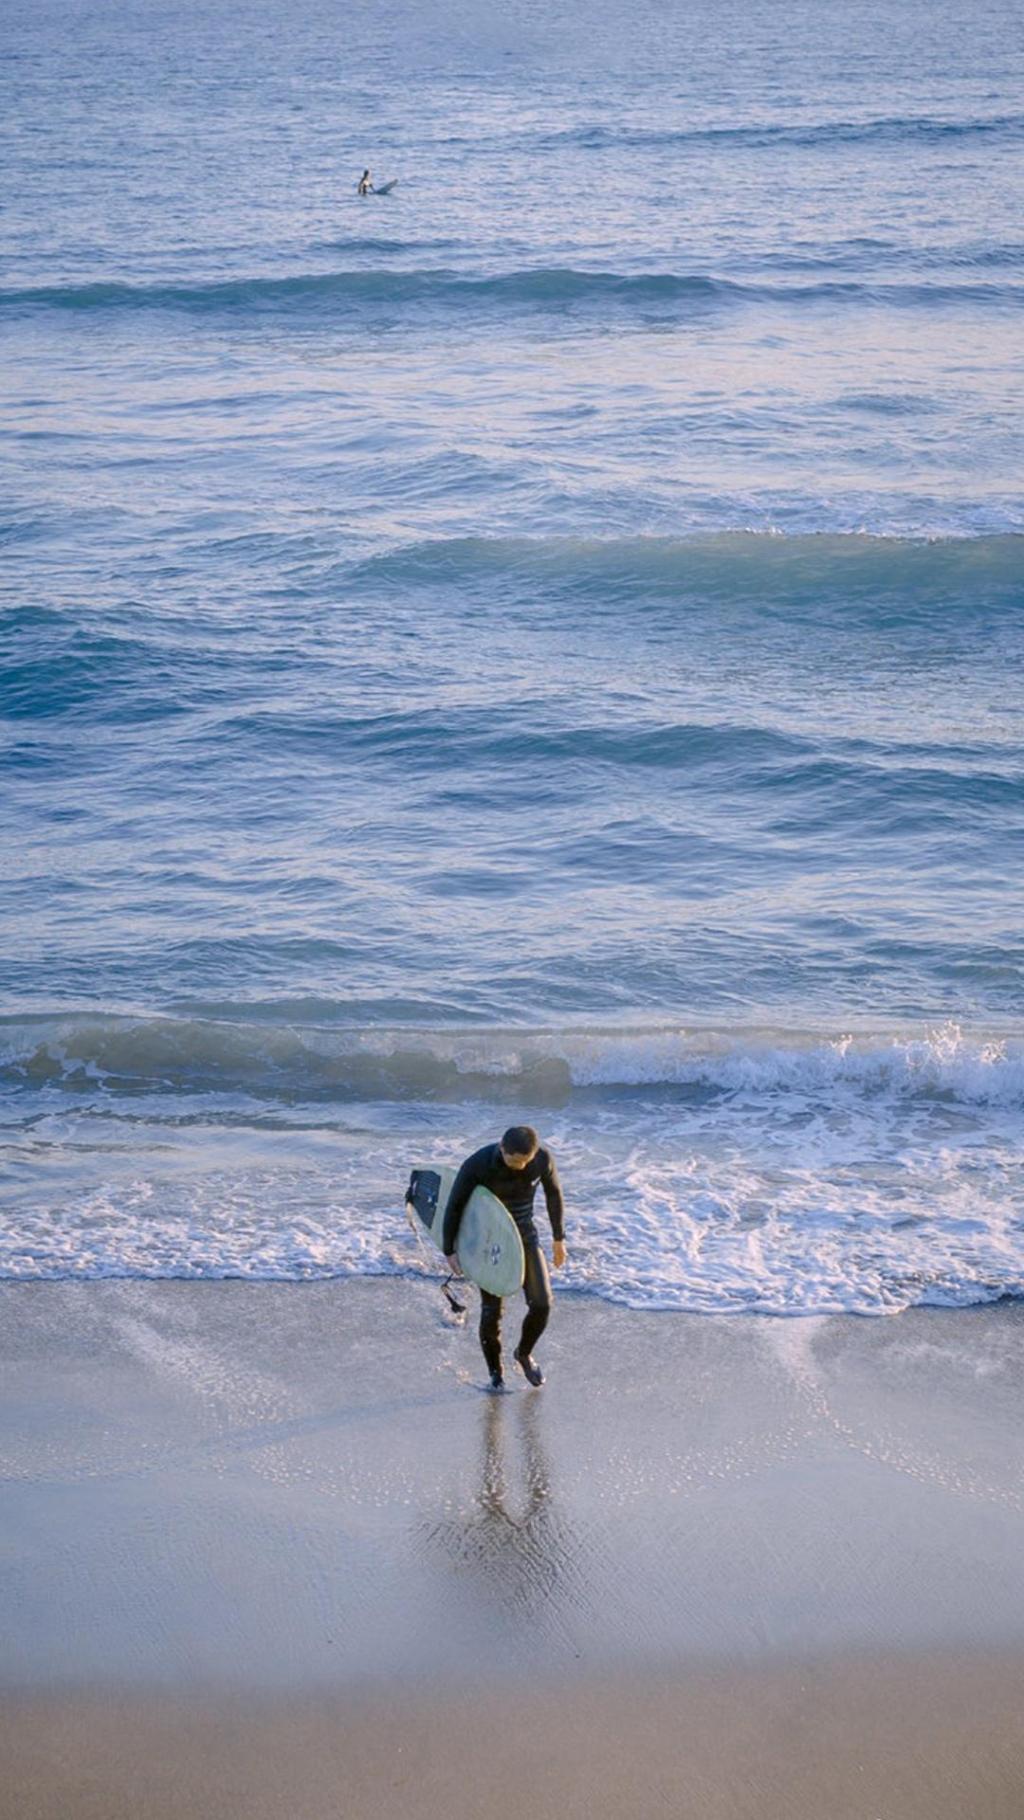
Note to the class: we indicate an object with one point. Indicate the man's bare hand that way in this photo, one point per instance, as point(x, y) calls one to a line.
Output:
point(559, 1253)
point(453, 1264)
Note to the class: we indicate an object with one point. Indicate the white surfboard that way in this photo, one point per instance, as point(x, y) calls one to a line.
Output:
point(489, 1247)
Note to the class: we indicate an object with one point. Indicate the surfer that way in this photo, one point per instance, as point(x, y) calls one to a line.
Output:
point(512, 1170)
point(365, 185)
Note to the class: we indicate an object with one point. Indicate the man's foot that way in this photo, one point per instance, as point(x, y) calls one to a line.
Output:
point(530, 1369)
point(497, 1379)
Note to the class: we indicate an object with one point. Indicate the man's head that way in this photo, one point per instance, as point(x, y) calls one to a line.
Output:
point(519, 1146)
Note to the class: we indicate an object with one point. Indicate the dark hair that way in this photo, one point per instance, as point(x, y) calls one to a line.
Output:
point(520, 1140)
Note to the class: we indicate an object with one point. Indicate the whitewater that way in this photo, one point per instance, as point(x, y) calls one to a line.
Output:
point(544, 644)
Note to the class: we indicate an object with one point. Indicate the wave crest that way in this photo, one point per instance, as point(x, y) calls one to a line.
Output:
point(887, 130)
point(889, 573)
point(291, 1061)
point(538, 289)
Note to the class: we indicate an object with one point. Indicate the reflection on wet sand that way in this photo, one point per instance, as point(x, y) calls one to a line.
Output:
point(512, 1543)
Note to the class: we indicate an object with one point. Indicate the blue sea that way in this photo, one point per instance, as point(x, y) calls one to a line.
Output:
point(546, 643)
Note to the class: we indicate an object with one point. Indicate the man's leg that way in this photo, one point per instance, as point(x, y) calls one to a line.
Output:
point(490, 1329)
point(537, 1290)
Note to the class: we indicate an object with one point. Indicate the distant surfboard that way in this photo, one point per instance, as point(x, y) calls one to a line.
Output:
point(489, 1248)
point(385, 189)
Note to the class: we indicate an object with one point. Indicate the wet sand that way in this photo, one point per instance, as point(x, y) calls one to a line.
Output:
point(270, 1549)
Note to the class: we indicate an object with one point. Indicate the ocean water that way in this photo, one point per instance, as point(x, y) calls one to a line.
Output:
point(547, 643)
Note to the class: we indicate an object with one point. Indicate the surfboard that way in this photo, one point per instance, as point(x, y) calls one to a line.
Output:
point(489, 1248)
point(385, 189)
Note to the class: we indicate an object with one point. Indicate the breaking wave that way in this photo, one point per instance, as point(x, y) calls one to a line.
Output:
point(285, 1060)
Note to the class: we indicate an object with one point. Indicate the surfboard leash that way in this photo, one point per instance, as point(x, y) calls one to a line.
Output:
point(456, 1306)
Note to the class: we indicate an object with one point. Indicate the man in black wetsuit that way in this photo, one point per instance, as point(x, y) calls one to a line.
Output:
point(512, 1170)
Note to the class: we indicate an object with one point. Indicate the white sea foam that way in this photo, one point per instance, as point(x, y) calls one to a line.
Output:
point(793, 1189)
point(942, 1062)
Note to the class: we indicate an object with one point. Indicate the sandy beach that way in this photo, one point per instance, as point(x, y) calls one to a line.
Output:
point(269, 1549)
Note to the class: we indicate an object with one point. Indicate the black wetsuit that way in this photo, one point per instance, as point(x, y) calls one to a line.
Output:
point(515, 1189)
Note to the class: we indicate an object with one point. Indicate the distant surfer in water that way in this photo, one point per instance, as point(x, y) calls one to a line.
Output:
point(511, 1170)
point(365, 185)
